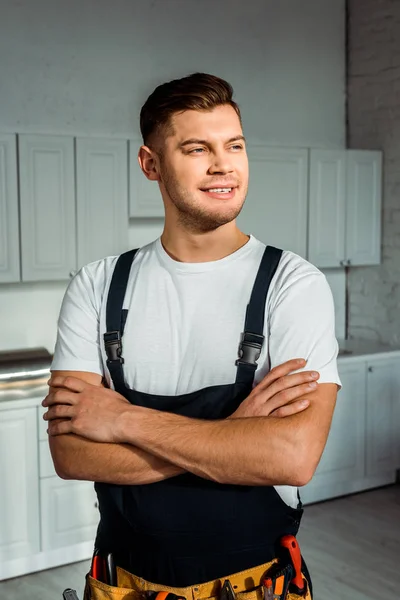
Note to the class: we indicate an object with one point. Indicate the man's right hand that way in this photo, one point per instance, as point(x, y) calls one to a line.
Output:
point(281, 393)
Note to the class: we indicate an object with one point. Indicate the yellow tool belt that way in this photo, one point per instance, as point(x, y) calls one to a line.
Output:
point(247, 585)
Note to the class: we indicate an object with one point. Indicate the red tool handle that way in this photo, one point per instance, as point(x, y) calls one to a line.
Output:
point(290, 543)
point(98, 570)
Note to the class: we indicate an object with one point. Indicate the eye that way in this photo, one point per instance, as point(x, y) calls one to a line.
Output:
point(197, 151)
point(237, 147)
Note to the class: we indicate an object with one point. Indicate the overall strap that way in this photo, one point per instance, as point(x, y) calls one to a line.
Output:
point(116, 318)
point(253, 335)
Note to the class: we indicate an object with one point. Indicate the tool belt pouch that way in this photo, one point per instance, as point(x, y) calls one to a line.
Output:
point(97, 590)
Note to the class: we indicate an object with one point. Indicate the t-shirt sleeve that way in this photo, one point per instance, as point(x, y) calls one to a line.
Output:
point(302, 322)
point(77, 346)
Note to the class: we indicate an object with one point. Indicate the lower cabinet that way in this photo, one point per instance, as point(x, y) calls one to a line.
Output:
point(363, 447)
point(45, 521)
point(19, 497)
point(68, 512)
point(383, 417)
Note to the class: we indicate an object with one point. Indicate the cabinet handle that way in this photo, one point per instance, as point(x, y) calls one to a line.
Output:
point(72, 274)
point(342, 263)
point(370, 369)
point(348, 263)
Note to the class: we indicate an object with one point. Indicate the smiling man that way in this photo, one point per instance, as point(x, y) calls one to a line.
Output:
point(197, 447)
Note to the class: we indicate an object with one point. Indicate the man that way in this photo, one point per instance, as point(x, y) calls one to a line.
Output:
point(197, 450)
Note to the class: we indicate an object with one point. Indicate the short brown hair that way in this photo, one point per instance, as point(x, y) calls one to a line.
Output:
point(198, 91)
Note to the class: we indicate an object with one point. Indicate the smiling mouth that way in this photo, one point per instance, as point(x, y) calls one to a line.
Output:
point(219, 190)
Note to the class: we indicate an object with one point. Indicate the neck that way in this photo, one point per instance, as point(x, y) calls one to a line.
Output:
point(203, 247)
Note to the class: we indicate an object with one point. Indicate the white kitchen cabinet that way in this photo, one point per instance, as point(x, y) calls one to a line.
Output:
point(144, 196)
point(343, 459)
point(47, 196)
point(102, 198)
point(363, 216)
point(276, 207)
point(327, 210)
point(69, 513)
point(382, 425)
point(9, 218)
point(345, 208)
point(19, 497)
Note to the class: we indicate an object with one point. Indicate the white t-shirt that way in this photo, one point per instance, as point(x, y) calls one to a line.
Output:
point(185, 321)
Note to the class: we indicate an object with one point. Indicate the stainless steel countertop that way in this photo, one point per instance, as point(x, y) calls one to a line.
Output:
point(24, 390)
point(354, 348)
point(24, 373)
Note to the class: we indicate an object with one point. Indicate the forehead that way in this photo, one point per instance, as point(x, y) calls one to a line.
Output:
point(217, 123)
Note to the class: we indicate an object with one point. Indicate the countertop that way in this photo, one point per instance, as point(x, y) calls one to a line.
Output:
point(350, 349)
point(25, 391)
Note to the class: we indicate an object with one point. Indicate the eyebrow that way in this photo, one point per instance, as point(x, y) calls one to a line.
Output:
point(192, 141)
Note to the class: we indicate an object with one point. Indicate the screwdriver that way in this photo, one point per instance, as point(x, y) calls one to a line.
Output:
point(268, 589)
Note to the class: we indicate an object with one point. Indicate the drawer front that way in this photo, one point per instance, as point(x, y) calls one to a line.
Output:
point(46, 467)
point(69, 513)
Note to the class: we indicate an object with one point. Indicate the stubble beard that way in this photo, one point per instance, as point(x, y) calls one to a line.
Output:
point(194, 217)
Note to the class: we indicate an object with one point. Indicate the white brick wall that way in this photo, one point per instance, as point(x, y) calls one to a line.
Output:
point(374, 122)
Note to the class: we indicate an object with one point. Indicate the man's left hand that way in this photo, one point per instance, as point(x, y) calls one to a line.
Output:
point(90, 411)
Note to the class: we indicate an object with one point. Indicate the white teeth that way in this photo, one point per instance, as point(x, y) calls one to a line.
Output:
point(220, 190)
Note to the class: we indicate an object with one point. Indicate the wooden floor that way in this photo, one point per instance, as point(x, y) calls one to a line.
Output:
point(351, 545)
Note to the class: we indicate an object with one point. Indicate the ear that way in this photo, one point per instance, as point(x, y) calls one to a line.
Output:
point(148, 163)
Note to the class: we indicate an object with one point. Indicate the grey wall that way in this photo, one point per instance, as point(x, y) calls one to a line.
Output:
point(86, 66)
point(374, 122)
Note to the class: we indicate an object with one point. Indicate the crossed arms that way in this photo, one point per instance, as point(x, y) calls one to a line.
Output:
point(276, 437)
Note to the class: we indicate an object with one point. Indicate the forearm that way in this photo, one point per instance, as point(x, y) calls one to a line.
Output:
point(75, 457)
point(248, 451)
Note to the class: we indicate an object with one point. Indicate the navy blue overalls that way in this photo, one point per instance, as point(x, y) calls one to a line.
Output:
point(187, 530)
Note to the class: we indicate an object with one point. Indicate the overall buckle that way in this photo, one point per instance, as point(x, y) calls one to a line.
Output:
point(250, 349)
point(113, 346)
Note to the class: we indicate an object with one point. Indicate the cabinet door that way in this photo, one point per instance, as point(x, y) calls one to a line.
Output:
point(364, 190)
point(47, 188)
point(343, 458)
point(382, 432)
point(275, 210)
point(326, 232)
point(19, 497)
point(9, 226)
point(102, 198)
point(69, 513)
point(144, 196)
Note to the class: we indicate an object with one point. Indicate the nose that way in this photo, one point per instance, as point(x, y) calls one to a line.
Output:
point(221, 162)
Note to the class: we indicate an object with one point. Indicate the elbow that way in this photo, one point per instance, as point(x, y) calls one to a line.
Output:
point(62, 468)
point(302, 477)
point(62, 472)
point(61, 460)
point(303, 467)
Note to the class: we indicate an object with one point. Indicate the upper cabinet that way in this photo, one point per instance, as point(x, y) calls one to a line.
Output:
point(363, 216)
point(327, 209)
point(47, 195)
point(9, 223)
point(345, 208)
point(102, 198)
point(72, 207)
point(275, 211)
